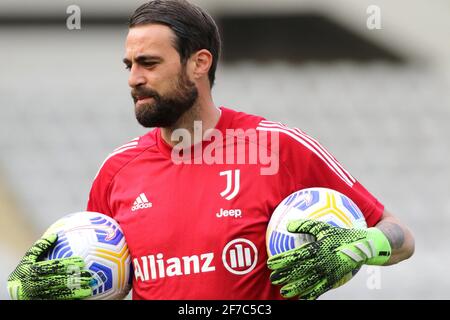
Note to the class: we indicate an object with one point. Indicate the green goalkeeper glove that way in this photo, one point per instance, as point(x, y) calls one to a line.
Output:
point(56, 279)
point(316, 267)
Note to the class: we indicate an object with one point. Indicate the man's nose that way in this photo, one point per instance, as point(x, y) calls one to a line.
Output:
point(136, 78)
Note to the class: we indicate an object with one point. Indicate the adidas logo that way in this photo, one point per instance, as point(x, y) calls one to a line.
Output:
point(141, 202)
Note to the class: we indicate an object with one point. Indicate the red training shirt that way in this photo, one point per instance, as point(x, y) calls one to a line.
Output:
point(197, 230)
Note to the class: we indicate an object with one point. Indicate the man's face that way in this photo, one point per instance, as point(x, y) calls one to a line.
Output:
point(161, 89)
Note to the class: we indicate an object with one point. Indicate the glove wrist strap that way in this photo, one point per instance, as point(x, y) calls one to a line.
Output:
point(14, 289)
point(380, 245)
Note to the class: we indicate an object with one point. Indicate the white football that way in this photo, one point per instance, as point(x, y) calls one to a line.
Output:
point(99, 240)
point(321, 204)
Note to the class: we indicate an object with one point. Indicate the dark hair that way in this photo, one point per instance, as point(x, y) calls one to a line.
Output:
point(193, 27)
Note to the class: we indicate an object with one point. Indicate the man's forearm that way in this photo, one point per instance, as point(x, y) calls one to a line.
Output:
point(399, 236)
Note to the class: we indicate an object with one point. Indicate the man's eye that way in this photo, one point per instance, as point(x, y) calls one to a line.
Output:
point(149, 64)
point(128, 67)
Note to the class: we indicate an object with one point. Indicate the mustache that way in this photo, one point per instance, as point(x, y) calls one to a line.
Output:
point(144, 92)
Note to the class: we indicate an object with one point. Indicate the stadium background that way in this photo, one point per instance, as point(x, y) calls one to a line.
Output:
point(378, 99)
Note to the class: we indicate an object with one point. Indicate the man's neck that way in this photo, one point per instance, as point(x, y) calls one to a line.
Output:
point(205, 114)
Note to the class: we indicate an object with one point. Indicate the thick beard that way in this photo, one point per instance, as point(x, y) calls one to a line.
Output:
point(165, 111)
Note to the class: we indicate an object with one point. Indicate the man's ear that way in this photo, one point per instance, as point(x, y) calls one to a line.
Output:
point(200, 63)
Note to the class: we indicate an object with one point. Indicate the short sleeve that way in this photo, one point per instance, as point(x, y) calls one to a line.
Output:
point(98, 195)
point(311, 165)
point(319, 173)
